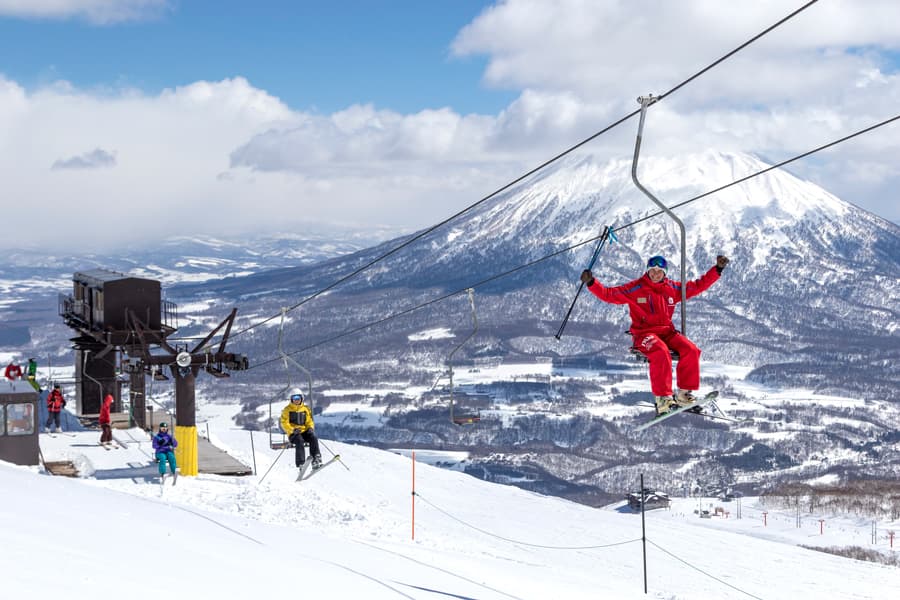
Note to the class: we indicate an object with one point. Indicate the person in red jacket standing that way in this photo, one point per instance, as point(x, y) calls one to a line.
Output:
point(106, 420)
point(13, 371)
point(651, 301)
point(55, 404)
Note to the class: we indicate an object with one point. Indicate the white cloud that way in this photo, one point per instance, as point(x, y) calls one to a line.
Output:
point(362, 135)
point(614, 48)
point(225, 156)
point(170, 148)
point(828, 72)
point(99, 12)
point(579, 65)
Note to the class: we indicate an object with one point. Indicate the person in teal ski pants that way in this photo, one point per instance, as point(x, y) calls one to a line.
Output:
point(164, 444)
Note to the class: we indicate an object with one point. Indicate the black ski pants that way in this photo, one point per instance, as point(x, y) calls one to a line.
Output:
point(52, 419)
point(297, 439)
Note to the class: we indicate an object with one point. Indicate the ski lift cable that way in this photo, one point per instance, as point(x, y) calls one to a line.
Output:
point(287, 359)
point(425, 232)
point(412, 309)
point(534, 170)
point(725, 57)
point(519, 542)
point(698, 569)
point(578, 244)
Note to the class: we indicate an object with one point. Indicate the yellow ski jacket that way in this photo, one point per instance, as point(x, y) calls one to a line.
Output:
point(296, 417)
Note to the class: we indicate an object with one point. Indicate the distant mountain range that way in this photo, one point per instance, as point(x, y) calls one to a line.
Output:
point(31, 279)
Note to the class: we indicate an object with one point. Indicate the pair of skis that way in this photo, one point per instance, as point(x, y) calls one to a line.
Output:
point(305, 473)
point(709, 398)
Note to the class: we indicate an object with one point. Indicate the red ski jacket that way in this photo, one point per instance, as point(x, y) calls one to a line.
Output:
point(651, 305)
point(55, 401)
point(105, 418)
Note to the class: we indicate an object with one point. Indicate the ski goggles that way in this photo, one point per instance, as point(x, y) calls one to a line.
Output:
point(296, 397)
point(657, 261)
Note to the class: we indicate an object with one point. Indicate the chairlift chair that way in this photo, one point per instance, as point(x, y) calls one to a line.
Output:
point(468, 419)
point(641, 357)
point(278, 439)
point(645, 102)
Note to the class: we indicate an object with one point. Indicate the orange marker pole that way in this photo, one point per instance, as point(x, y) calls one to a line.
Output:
point(414, 495)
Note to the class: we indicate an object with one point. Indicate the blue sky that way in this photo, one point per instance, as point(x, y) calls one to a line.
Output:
point(321, 56)
point(401, 113)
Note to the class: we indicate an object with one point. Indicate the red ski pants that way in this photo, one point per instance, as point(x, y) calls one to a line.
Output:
point(656, 348)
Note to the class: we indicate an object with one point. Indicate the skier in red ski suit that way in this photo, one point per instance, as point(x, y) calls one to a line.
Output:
point(105, 419)
point(55, 404)
point(651, 301)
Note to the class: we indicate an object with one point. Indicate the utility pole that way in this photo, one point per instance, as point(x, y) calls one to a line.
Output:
point(644, 529)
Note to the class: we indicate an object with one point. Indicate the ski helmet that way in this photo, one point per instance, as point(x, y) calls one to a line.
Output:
point(659, 262)
point(163, 425)
point(296, 394)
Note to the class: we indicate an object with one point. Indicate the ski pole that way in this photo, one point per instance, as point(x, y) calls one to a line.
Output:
point(272, 465)
point(607, 232)
point(321, 443)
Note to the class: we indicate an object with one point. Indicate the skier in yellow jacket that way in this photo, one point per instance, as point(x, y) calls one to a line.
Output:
point(297, 423)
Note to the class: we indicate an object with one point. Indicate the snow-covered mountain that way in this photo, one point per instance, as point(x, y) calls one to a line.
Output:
point(812, 279)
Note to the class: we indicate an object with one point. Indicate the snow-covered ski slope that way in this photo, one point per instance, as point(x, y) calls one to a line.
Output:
point(347, 534)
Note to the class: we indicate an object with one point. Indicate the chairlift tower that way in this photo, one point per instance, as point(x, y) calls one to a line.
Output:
point(123, 320)
point(98, 311)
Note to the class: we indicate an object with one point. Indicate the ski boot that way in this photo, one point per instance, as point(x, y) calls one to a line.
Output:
point(663, 404)
point(317, 462)
point(686, 398)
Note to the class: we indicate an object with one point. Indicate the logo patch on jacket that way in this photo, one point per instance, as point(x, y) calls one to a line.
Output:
point(642, 301)
point(671, 301)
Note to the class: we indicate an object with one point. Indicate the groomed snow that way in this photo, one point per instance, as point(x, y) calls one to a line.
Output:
point(348, 534)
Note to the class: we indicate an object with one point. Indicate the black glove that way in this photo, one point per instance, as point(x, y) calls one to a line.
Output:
point(587, 277)
point(721, 263)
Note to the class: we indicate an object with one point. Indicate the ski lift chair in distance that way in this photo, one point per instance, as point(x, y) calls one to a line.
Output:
point(469, 418)
point(278, 439)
